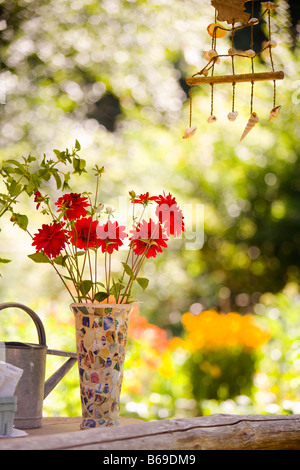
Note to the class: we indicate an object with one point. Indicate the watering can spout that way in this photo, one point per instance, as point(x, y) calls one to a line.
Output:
point(55, 378)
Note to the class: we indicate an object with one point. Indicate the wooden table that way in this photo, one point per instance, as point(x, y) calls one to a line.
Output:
point(66, 425)
point(215, 432)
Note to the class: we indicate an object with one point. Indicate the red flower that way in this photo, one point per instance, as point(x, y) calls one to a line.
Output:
point(84, 234)
point(149, 238)
point(163, 199)
point(143, 199)
point(72, 206)
point(51, 239)
point(110, 236)
point(170, 214)
point(38, 198)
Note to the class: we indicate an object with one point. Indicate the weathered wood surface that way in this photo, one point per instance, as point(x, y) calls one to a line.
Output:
point(67, 424)
point(243, 77)
point(215, 432)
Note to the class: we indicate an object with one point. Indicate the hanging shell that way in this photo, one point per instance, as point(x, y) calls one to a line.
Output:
point(216, 30)
point(232, 115)
point(271, 43)
point(232, 51)
point(189, 132)
point(253, 21)
point(250, 53)
point(208, 55)
point(211, 119)
point(274, 112)
point(269, 5)
point(250, 124)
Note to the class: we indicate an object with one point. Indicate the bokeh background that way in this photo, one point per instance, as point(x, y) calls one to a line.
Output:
point(218, 329)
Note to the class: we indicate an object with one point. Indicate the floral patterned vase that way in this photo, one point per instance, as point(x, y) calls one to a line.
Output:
point(101, 335)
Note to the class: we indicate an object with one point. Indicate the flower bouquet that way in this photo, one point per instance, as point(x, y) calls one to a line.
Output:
point(79, 240)
point(75, 236)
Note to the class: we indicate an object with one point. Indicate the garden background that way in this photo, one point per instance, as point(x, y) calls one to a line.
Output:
point(218, 328)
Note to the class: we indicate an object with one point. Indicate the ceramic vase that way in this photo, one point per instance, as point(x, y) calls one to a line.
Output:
point(101, 335)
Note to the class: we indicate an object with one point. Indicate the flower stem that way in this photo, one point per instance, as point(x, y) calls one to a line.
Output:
point(62, 279)
point(130, 252)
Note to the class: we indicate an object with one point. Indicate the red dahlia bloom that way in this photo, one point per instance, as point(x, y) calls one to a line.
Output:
point(84, 234)
point(149, 238)
point(143, 199)
point(38, 198)
point(163, 199)
point(110, 236)
point(51, 239)
point(72, 206)
point(170, 214)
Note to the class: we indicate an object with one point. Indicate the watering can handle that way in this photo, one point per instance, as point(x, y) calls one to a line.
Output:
point(39, 325)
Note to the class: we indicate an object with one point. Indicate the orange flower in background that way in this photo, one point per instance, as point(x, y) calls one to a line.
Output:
point(140, 328)
point(177, 343)
point(211, 330)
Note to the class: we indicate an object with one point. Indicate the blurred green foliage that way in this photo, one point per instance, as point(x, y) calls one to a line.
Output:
point(112, 75)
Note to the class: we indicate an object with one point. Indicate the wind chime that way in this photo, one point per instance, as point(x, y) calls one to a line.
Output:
point(233, 12)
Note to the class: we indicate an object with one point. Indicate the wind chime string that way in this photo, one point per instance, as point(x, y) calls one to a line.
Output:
point(191, 104)
point(213, 118)
point(233, 114)
point(271, 56)
point(252, 62)
point(253, 120)
point(232, 66)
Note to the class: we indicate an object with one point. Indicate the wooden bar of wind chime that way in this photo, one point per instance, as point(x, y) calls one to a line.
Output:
point(233, 12)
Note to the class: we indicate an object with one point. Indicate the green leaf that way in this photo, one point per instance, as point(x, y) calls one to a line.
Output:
point(143, 282)
point(77, 145)
point(2, 260)
point(60, 155)
point(85, 287)
point(17, 164)
point(57, 179)
point(60, 260)
point(128, 270)
point(14, 188)
point(39, 258)
point(33, 184)
point(100, 296)
point(10, 170)
point(30, 158)
point(66, 180)
point(20, 219)
point(116, 288)
point(100, 284)
point(80, 253)
point(79, 165)
point(82, 164)
point(76, 163)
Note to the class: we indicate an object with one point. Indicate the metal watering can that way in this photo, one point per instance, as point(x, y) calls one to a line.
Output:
point(32, 388)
